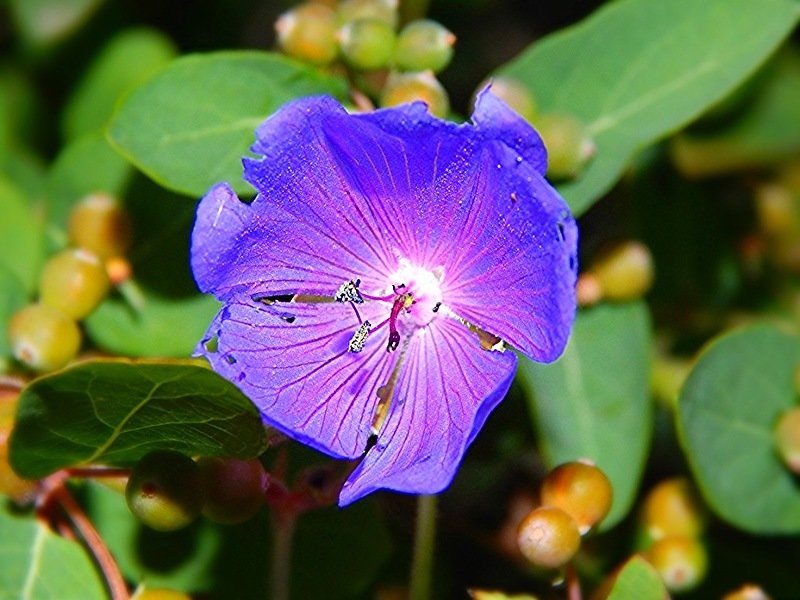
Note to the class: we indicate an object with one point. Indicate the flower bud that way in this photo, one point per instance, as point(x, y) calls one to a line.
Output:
point(424, 45)
point(74, 281)
point(308, 32)
point(165, 490)
point(787, 438)
point(235, 488)
point(671, 508)
point(382, 10)
point(402, 88)
point(624, 271)
point(366, 44)
point(43, 338)
point(569, 145)
point(581, 490)
point(680, 560)
point(548, 537)
point(100, 224)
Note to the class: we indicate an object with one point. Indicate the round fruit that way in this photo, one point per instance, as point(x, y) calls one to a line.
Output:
point(165, 490)
point(235, 488)
point(383, 10)
point(43, 338)
point(680, 560)
point(548, 537)
point(100, 224)
point(569, 146)
point(74, 281)
point(579, 489)
point(402, 88)
point(672, 509)
point(366, 44)
point(624, 271)
point(424, 45)
point(308, 32)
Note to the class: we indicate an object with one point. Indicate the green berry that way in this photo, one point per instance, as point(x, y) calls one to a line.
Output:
point(100, 224)
point(569, 146)
point(671, 508)
point(382, 10)
point(402, 88)
point(548, 537)
point(366, 44)
point(680, 560)
point(424, 45)
point(308, 33)
point(787, 438)
point(235, 488)
point(165, 490)
point(43, 338)
point(74, 281)
point(579, 489)
point(624, 271)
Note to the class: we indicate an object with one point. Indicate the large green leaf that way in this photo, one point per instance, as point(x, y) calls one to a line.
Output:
point(115, 411)
point(127, 60)
point(766, 131)
point(39, 565)
point(727, 411)
point(594, 401)
point(639, 69)
point(189, 125)
point(21, 236)
point(638, 580)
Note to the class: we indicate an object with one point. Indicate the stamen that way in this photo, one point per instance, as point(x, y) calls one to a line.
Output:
point(348, 292)
point(359, 337)
point(436, 307)
point(400, 303)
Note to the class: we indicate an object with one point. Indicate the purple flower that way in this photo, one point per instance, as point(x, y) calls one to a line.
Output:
point(373, 287)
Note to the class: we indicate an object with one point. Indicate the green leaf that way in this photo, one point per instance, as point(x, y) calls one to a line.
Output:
point(12, 298)
point(163, 327)
point(43, 22)
point(38, 565)
point(189, 125)
point(727, 411)
point(637, 70)
point(766, 132)
point(127, 60)
point(594, 401)
point(21, 236)
point(115, 411)
point(638, 580)
point(85, 166)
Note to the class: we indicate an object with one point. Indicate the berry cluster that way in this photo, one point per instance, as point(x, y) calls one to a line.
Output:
point(391, 65)
point(574, 498)
point(45, 336)
point(168, 490)
point(672, 523)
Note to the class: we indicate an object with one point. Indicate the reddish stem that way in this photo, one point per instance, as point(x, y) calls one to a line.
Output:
point(573, 583)
point(114, 580)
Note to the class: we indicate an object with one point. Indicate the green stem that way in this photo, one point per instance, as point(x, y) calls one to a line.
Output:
point(283, 526)
point(424, 546)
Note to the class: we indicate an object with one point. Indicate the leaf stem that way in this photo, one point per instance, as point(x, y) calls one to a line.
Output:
point(424, 546)
point(114, 580)
point(283, 534)
point(573, 583)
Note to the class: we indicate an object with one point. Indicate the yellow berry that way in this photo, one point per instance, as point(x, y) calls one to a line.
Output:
point(624, 271)
point(548, 537)
point(402, 88)
point(680, 560)
point(308, 32)
point(569, 145)
point(671, 508)
point(100, 224)
point(579, 489)
point(787, 438)
point(74, 281)
point(43, 338)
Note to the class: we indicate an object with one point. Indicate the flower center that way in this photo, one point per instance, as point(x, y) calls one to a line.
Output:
point(414, 296)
